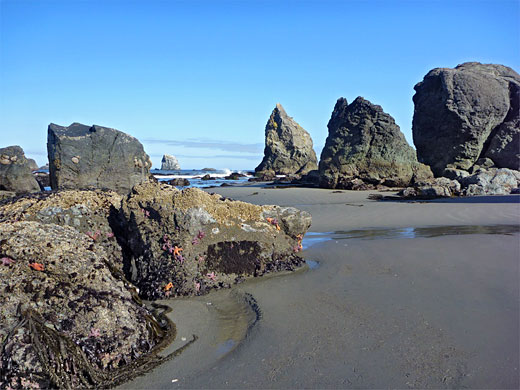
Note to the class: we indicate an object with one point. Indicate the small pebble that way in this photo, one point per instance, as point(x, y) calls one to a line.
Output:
point(183, 338)
point(174, 380)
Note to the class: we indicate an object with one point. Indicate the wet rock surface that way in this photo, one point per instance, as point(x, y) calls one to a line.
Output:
point(65, 320)
point(87, 211)
point(466, 113)
point(365, 148)
point(170, 163)
point(188, 242)
point(95, 157)
point(179, 182)
point(288, 146)
point(15, 171)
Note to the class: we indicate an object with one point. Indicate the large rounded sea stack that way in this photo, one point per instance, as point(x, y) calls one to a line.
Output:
point(365, 147)
point(288, 147)
point(467, 114)
point(95, 157)
point(15, 171)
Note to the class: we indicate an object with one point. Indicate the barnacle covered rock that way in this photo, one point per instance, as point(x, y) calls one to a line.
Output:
point(222, 240)
point(70, 321)
point(87, 211)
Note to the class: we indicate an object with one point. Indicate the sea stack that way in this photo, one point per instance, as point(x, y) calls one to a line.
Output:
point(288, 147)
point(15, 171)
point(365, 147)
point(169, 163)
point(468, 118)
point(83, 156)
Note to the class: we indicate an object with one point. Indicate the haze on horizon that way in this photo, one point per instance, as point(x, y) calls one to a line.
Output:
point(199, 79)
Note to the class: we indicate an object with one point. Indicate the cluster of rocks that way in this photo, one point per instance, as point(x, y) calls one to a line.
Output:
point(76, 262)
point(466, 129)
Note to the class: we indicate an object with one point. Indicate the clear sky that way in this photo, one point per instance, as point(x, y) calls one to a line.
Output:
point(199, 79)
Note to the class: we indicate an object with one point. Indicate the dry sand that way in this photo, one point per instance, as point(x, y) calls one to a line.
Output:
point(420, 298)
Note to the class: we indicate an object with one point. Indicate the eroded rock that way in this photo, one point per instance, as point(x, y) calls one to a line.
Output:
point(466, 113)
point(15, 171)
point(365, 147)
point(65, 320)
point(288, 146)
point(95, 157)
point(187, 242)
point(170, 163)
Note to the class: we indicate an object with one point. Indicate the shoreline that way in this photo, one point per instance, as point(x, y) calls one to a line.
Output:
point(417, 312)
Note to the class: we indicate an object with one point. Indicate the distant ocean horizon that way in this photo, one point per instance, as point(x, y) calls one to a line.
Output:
point(194, 176)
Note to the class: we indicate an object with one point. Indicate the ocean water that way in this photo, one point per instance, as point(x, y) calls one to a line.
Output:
point(195, 177)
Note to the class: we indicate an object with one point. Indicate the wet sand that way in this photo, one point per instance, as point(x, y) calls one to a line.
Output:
point(404, 295)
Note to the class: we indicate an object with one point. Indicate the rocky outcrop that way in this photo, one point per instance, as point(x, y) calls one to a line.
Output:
point(468, 113)
point(65, 320)
point(188, 242)
point(491, 181)
point(169, 163)
point(95, 157)
point(180, 182)
point(15, 171)
point(288, 147)
point(365, 146)
point(88, 212)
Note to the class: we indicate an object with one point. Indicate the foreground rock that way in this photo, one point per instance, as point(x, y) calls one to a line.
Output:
point(465, 114)
point(65, 320)
point(169, 163)
point(88, 212)
point(187, 242)
point(15, 171)
point(366, 148)
point(288, 147)
point(95, 157)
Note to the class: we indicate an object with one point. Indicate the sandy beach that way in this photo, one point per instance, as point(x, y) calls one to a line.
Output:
point(397, 295)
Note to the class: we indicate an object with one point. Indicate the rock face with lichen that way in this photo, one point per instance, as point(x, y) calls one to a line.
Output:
point(188, 242)
point(15, 171)
point(288, 147)
point(65, 320)
point(87, 211)
point(365, 147)
point(468, 114)
point(95, 157)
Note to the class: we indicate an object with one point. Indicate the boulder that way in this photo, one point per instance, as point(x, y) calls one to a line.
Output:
point(65, 320)
point(15, 171)
point(95, 157)
point(288, 147)
point(188, 242)
point(466, 113)
point(169, 163)
point(32, 164)
point(365, 144)
point(88, 212)
point(491, 181)
point(179, 182)
point(438, 188)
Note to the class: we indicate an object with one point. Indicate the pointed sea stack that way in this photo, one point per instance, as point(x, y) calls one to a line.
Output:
point(288, 147)
point(365, 147)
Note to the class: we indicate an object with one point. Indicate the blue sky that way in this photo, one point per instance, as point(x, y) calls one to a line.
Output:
point(199, 79)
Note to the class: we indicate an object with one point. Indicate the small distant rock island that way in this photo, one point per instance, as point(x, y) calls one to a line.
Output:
point(170, 163)
point(288, 147)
